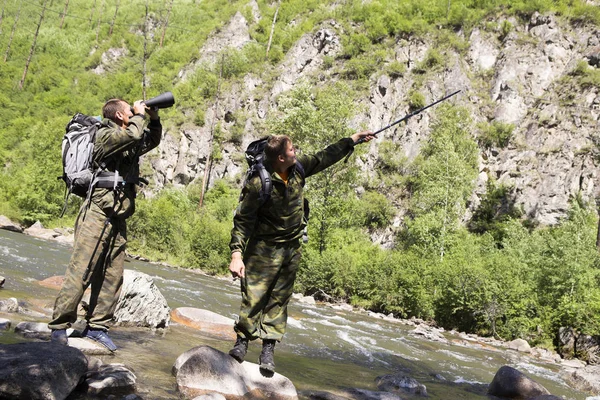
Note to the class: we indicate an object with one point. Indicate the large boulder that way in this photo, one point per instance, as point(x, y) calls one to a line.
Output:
point(141, 303)
point(31, 370)
point(210, 323)
point(513, 384)
point(204, 370)
point(110, 379)
point(8, 225)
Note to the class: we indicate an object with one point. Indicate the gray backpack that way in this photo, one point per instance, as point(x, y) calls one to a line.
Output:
point(77, 149)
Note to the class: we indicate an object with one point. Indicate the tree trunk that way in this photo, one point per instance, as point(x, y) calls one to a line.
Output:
point(32, 50)
point(93, 10)
point(145, 56)
point(272, 29)
point(112, 24)
point(2, 14)
point(162, 38)
point(12, 33)
point(62, 19)
point(210, 142)
point(99, 20)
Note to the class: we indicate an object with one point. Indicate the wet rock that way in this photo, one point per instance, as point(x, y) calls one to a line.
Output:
point(33, 330)
point(203, 370)
point(519, 345)
point(320, 395)
point(110, 379)
point(210, 323)
point(307, 300)
point(30, 370)
point(89, 347)
point(54, 282)
point(37, 230)
point(2, 280)
point(8, 225)
point(513, 384)
point(9, 305)
point(401, 384)
point(141, 302)
point(429, 332)
point(584, 379)
point(546, 397)
point(5, 324)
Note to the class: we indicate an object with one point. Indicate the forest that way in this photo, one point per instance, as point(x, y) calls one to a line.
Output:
point(495, 273)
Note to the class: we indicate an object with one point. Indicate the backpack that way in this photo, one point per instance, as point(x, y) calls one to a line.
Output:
point(77, 149)
point(255, 157)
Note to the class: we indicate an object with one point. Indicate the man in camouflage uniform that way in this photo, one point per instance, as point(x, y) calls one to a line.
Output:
point(100, 229)
point(265, 241)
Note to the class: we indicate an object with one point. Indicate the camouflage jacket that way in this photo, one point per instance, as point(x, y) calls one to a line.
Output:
point(120, 150)
point(280, 218)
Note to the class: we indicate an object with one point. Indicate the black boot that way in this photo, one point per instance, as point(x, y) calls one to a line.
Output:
point(239, 349)
point(266, 359)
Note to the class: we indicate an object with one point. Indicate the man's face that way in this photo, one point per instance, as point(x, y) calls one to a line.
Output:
point(126, 113)
point(289, 156)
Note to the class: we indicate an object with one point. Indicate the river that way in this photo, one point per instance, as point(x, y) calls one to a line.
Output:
point(324, 349)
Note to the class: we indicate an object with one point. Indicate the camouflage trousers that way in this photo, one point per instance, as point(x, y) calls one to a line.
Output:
point(97, 260)
point(267, 289)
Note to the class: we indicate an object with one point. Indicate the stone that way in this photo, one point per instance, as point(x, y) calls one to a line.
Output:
point(2, 280)
point(141, 303)
point(307, 300)
point(5, 324)
point(588, 348)
point(210, 323)
point(8, 225)
point(89, 347)
point(33, 330)
point(30, 370)
point(513, 384)
point(54, 282)
point(402, 384)
point(10, 305)
point(204, 370)
point(109, 379)
point(211, 396)
point(519, 345)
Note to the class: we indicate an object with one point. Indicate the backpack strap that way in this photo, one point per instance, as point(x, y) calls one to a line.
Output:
point(267, 185)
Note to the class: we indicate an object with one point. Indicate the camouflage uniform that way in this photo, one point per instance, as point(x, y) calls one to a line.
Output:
point(100, 230)
point(268, 236)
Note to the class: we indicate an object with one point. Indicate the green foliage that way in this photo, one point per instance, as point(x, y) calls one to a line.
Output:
point(416, 100)
point(443, 180)
point(396, 69)
point(505, 29)
point(376, 210)
point(432, 61)
point(496, 134)
point(586, 76)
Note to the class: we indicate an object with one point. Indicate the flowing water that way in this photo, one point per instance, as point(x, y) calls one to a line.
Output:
point(324, 349)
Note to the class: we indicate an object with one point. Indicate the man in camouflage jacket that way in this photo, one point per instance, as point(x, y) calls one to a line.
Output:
point(100, 229)
point(265, 241)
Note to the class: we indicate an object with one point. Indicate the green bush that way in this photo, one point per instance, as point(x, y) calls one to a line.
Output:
point(496, 134)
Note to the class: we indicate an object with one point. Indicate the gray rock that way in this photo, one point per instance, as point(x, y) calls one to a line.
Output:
point(9, 305)
point(30, 370)
point(5, 324)
point(588, 348)
point(513, 384)
point(398, 383)
point(208, 322)
point(585, 379)
point(203, 370)
point(546, 397)
point(519, 345)
point(2, 280)
point(8, 225)
point(141, 303)
point(211, 396)
point(33, 330)
point(110, 379)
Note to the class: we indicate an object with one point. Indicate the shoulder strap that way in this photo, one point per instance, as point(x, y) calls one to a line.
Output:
point(300, 169)
point(267, 184)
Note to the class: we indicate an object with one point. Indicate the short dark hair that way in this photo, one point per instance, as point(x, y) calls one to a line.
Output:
point(111, 107)
point(276, 146)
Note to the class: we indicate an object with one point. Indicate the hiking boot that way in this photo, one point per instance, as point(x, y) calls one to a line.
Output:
point(59, 336)
point(265, 361)
point(239, 349)
point(99, 336)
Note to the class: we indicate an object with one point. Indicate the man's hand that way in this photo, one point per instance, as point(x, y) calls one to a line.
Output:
point(152, 112)
point(363, 136)
point(139, 107)
point(237, 267)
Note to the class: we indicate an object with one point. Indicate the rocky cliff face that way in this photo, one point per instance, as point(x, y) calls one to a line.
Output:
point(518, 78)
